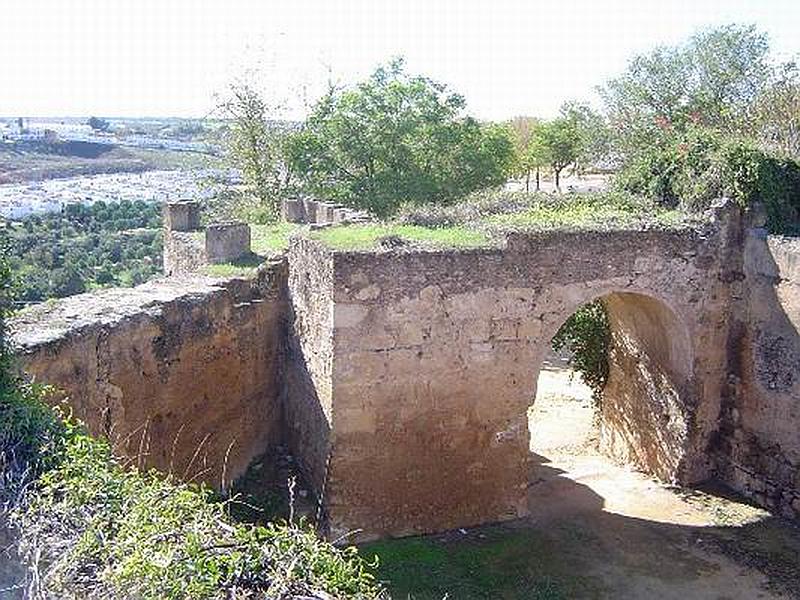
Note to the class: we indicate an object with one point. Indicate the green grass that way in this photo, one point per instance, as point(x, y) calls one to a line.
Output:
point(485, 218)
point(497, 563)
point(602, 212)
point(364, 237)
point(269, 239)
point(241, 267)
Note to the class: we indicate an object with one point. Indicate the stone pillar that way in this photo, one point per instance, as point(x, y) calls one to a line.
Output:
point(183, 215)
point(227, 241)
point(293, 210)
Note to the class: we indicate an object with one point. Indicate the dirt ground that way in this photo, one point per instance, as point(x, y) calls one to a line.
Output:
point(600, 530)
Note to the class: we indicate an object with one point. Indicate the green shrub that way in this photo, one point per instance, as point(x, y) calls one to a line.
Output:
point(94, 528)
point(586, 335)
point(700, 166)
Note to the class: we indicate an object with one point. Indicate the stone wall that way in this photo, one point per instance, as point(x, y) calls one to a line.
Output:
point(188, 246)
point(181, 374)
point(760, 455)
point(319, 212)
point(225, 242)
point(436, 357)
point(309, 359)
point(644, 420)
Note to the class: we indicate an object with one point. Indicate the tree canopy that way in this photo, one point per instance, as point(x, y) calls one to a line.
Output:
point(393, 139)
point(714, 80)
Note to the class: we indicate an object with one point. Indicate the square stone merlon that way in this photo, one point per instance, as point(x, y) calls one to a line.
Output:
point(227, 241)
point(183, 215)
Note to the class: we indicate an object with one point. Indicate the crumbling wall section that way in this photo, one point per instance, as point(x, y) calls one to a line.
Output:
point(180, 374)
point(761, 451)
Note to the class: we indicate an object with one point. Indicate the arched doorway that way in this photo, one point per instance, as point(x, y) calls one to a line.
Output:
point(640, 415)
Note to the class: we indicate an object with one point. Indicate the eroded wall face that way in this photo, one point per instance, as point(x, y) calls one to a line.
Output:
point(436, 357)
point(761, 451)
point(309, 360)
point(182, 375)
point(644, 417)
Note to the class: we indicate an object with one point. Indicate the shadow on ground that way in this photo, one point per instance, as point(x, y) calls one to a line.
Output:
point(574, 546)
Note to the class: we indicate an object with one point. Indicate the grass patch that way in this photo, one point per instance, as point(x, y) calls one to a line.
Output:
point(364, 237)
point(269, 239)
point(605, 212)
point(497, 563)
point(484, 218)
point(241, 267)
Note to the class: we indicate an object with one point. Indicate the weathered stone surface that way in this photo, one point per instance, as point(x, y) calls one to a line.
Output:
point(400, 379)
point(225, 242)
point(761, 452)
point(435, 357)
point(180, 373)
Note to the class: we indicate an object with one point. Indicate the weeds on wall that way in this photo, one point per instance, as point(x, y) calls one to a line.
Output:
point(586, 335)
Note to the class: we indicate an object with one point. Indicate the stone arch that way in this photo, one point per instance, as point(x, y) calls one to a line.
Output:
point(646, 415)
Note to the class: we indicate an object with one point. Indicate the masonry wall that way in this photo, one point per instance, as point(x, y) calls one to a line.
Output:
point(644, 420)
point(182, 375)
point(761, 422)
point(436, 357)
point(309, 360)
point(184, 252)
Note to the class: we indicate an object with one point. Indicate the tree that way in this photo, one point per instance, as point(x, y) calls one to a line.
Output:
point(396, 138)
point(713, 80)
point(777, 113)
point(561, 142)
point(530, 151)
point(592, 131)
point(255, 145)
point(98, 124)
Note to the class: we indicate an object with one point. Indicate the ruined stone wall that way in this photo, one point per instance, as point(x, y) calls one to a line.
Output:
point(225, 242)
point(184, 252)
point(181, 374)
point(436, 357)
point(309, 359)
point(761, 450)
point(319, 212)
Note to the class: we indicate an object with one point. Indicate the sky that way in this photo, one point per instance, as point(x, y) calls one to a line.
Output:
point(172, 57)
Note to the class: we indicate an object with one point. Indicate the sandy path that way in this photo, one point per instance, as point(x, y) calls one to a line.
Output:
point(644, 539)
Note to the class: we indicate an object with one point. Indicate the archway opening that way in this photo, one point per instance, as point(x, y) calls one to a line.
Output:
point(612, 401)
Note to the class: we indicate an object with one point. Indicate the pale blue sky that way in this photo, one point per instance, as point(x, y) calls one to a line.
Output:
point(508, 57)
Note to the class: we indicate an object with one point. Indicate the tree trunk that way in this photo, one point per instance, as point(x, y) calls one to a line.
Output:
point(527, 181)
point(537, 179)
point(557, 173)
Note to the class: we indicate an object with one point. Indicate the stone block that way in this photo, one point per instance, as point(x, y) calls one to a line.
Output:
point(183, 215)
point(226, 242)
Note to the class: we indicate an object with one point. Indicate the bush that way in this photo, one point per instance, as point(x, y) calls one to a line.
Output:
point(586, 335)
point(694, 169)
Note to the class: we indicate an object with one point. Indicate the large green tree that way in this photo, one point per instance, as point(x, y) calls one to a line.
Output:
point(714, 80)
point(396, 138)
